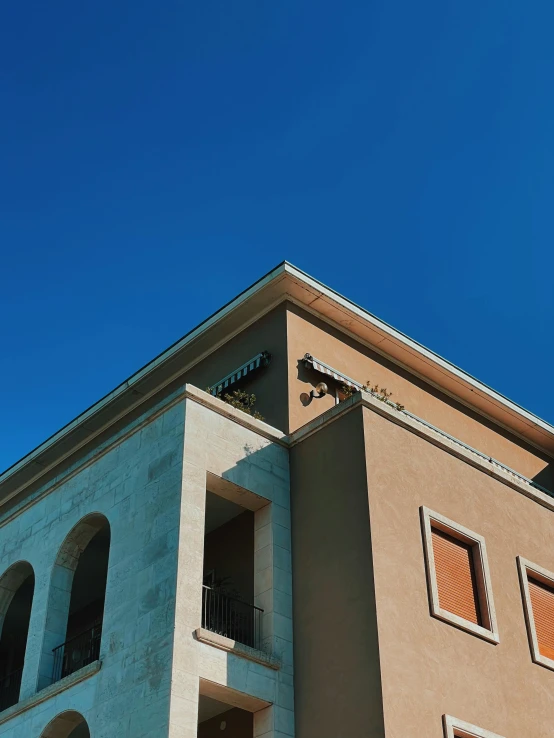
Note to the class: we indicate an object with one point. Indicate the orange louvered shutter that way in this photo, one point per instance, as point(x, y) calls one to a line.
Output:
point(455, 572)
point(542, 602)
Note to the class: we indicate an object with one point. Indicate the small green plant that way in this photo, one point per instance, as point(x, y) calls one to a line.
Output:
point(381, 393)
point(243, 401)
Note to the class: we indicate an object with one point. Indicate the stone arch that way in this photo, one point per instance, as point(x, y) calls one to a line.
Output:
point(69, 613)
point(17, 587)
point(10, 582)
point(70, 724)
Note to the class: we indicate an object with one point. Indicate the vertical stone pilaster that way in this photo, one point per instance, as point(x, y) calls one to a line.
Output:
point(264, 724)
point(183, 719)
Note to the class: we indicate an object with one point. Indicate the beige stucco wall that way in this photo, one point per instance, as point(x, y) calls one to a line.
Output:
point(430, 667)
point(337, 684)
point(305, 333)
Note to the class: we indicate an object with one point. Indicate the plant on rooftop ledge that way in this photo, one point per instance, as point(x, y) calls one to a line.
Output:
point(380, 393)
point(243, 401)
point(347, 391)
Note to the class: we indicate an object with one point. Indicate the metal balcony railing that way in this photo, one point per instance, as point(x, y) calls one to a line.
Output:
point(231, 617)
point(77, 652)
point(9, 689)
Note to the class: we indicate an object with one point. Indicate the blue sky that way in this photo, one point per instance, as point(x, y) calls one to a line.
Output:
point(157, 158)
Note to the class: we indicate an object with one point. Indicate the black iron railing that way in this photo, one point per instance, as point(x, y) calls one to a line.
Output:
point(9, 689)
point(231, 617)
point(77, 652)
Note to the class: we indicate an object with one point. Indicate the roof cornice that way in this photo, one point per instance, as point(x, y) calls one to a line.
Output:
point(285, 282)
point(439, 372)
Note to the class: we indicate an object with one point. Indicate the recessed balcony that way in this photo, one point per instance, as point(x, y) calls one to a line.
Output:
point(228, 608)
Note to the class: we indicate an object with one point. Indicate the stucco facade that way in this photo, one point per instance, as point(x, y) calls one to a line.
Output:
point(392, 668)
point(172, 566)
point(495, 686)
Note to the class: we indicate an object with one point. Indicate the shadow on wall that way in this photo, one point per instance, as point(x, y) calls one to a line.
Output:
point(546, 478)
point(309, 376)
point(81, 731)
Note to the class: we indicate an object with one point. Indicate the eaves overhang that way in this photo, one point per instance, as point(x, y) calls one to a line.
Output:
point(285, 282)
point(420, 360)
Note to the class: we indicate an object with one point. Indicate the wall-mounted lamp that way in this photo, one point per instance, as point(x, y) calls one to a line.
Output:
point(320, 391)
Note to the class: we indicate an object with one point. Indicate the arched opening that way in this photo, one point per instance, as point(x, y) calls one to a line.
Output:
point(17, 587)
point(76, 601)
point(69, 724)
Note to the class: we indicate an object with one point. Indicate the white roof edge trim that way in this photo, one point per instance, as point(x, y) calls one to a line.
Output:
point(318, 287)
point(418, 348)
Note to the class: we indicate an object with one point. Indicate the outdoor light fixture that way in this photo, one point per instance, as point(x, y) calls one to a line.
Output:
point(320, 391)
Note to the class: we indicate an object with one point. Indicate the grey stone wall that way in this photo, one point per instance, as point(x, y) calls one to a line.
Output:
point(136, 485)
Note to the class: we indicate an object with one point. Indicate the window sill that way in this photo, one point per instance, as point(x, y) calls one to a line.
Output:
point(468, 626)
point(543, 661)
point(227, 644)
point(54, 689)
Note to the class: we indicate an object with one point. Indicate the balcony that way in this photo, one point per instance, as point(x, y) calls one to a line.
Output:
point(228, 586)
point(77, 652)
point(230, 617)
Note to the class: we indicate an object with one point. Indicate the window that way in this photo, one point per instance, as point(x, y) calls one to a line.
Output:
point(454, 728)
point(537, 585)
point(458, 576)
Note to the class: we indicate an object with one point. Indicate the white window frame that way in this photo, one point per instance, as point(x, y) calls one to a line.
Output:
point(488, 631)
point(537, 572)
point(454, 728)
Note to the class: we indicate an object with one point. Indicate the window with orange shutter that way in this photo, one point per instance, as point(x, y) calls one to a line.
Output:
point(458, 576)
point(542, 603)
point(455, 573)
point(537, 588)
